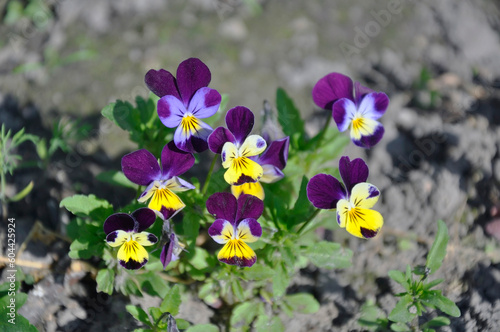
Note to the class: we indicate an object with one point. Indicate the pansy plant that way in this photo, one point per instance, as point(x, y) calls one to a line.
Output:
point(273, 161)
point(142, 168)
point(127, 232)
point(184, 101)
point(359, 112)
point(353, 200)
point(237, 147)
point(235, 225)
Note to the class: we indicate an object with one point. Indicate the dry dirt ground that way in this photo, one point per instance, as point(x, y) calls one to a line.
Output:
point(439, 159)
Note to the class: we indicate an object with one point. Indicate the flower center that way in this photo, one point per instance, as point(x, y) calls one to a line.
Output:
point(190, 124)
point(358, 123)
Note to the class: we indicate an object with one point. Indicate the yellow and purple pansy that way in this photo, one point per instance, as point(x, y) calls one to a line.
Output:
point(273, 161)
point(235, 225)
point(236, 147)
point(141, 167)
point(359, 112)
point(127, 232)
point(353, 200)
point(184, 101)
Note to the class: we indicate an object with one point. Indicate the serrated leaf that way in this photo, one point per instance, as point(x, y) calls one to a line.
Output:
point(243, 314)
point(438, 249)
point(116, 178)
point(83, 205)
point(238, 290)
point(264, 324)
point(401, 313)
point(203, 328)
point(139, 314)
point(258, 272)
point(172, 301)
point(329, 255)
point(281, 280)
point(303, 302)
point(105, 280)
point(200, 258)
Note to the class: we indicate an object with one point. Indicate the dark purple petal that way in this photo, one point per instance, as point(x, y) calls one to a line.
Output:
point(170, 111)
point(276, 154)
point(141, 167)
point(166, 251)
point(111, 237)
point(368, 233)
point(240, 122)
point(192, 74)
point(218, 138)
point(253, 225)
point(352, 172)
point(360, 91)
point(370, 141)
point(162, 83)
point(222, 206)
point(331, 88)
point(249, 206)
point(132, 264)
point(324, 191)
point(239, 261)
point(217, 226)
point(145, 217)
point(119, 221)
point(175, 161)
point(166, 214)
point(374, 105)
point(205, 103)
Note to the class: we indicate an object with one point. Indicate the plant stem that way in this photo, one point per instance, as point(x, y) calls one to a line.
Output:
point(209, 176)
point(315, 213)
point(323, 131)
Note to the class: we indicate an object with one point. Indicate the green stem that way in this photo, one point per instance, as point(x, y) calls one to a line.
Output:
point(323, 131)
point(209, 176)
point(315, 213)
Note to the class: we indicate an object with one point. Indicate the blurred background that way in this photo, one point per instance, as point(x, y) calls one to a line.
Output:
point(62, 61)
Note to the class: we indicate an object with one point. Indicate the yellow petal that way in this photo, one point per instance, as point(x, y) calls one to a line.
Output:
point(364, 223)
point(145, 238)
point(342, 212)
point(237, 252)
point(364, 195)
point(244, 233)
point(250, 188)
point(165, 197)
point(253, 146)
point(228, 154)
point(117, 238)
point(243, 170)
point(362, 127)
point(132, 251)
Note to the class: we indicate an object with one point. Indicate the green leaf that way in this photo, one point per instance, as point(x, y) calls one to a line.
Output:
point(139, 314)
point(435, 298)
point(182, 324)
point(82, 205)
point(401, 313)
point(302, 208)
point(264, 324)
point(372, 317)
point(23, 193)
point(191, 225)
point(303, 303)
point(438, 249)
point(200, 259)
point(105, 280)
point(400, 278)
point(243, 314)
point(153, 284)
point(329, 255)
point(400, 327)
point(432, 284)
point(281, 280)
point(172, 301)
point(289, 118)
point(122, 114)
point(437, 322)
point(116, 178)
point(258, 272)
point(203, 328)
point(238, 290)
point(21, 323)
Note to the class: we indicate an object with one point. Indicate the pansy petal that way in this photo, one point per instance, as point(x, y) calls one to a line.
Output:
point(251, 188)
point(119, 221)
point(162, 83)
point(240, 121)
point(178, 184)
point(248, 230)
point(352, 172)
point(364, 195)
point(205, 103)
point(170, 111)
point(166, 251)
point(253, 146)
point(243, 170)
point(144, 217)
point(364, 223)
point(174, 161)
point(141, 167)
point(192, 134)
point(192, 74)
point(366, 133)
point(132, 255)
point(221, 231)
point(165, 198)
point(237, 252)
point(342, 212)
point(229, 154)
point(218, 138)
point(117, 238)
point(148, 192)
point(331, 88)
point(374, 105)
point(276, 154)
point(324, 191)
point(360, 91)
point(222, 206)
point(271, 174)
point(249, 207)
point(343, 112)
point(145, 239)
point(167, 213)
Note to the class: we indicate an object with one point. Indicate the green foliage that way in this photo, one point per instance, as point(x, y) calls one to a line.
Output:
point(438, 249)
point(11, 297)
point(329, 255)
point(290, 120)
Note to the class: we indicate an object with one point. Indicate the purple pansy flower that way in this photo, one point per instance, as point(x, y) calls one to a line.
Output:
point(237, 147)
point(142, 168)
point(359, 111)
point(127, 232)
point(235, 225)
point(353, 199)
point(273, 161)
point(185, 100)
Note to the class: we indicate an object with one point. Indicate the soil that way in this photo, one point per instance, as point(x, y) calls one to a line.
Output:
point(439, 158)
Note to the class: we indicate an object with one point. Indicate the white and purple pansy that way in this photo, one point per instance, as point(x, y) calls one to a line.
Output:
point(273, 161)
point(141, 167)
point(237, 147)
point(127, 232)
point(235, 225)
point(353, 200)
point(359, 112)
point(184, 101)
